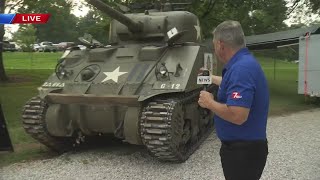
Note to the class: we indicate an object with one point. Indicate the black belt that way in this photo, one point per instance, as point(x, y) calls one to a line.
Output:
point(244, 142)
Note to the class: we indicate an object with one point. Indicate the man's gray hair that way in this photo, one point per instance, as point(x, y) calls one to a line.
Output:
point(231, 33)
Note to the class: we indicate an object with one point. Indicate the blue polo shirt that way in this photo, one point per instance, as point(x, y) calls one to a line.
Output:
point(243, 84)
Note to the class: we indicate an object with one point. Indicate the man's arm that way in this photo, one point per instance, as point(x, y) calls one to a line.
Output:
point(216, 80)
point(239, 94)
point(234, 114)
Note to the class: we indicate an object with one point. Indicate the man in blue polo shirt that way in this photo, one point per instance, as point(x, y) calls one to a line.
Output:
point(242, 105)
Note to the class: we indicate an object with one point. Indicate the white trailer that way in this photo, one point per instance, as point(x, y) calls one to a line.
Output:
point(309, 65)
point(308, 40)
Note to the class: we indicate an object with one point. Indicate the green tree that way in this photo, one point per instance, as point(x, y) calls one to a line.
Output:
point(61, 25)
point(315, 5)
point(302, 11)
point(95, 24)
point(3, 76)
point(9, 5)
point(26, 37)
point(255, 16)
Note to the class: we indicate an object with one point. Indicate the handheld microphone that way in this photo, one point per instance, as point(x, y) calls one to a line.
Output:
point(206, 73)
point(205, 79)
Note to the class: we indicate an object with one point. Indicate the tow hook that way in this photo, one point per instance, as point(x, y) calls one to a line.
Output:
point(80, 139)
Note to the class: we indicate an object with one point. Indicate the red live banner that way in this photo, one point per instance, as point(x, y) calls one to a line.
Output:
point(30, 18)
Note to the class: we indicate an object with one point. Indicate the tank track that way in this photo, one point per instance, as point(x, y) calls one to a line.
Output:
point(160, 128)
point(33, 115)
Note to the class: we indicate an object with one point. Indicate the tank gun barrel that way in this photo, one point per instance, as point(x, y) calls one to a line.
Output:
point(132, 26)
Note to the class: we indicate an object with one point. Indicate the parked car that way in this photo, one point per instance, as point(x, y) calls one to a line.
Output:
point(47, 46)
point(17, 46)
point(36, 47)
point(57, 47)
point(7, 46)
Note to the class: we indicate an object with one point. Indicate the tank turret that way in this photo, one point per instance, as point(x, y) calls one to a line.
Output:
point(150, 26)
point(132, 25)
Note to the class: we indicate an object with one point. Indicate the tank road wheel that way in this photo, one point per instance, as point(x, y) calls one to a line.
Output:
point(165, 131)
point(33, 120)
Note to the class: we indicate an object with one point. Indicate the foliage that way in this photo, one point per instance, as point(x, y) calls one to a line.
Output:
point(304, 11)
point(25, 36)
point(255, 16)
point(9, 5)
point(61, 25)
point(315, 5)
point(95, 24)
point(3, 76)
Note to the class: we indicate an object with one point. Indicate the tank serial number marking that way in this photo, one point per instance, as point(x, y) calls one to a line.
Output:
point(167, 86)
point(54, 85)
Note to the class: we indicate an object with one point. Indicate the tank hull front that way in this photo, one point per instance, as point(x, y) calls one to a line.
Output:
point(93, 115)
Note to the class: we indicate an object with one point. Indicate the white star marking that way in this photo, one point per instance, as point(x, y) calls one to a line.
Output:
point(197, 27)
point(113, 75)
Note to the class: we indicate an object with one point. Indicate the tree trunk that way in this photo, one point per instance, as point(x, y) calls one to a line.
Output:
point(3, 76)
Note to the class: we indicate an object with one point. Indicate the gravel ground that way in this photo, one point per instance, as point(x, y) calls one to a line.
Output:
point(294, 153)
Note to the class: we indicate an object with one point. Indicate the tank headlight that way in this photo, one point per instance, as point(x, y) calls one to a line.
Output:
point(62, 73)
point(163, 70)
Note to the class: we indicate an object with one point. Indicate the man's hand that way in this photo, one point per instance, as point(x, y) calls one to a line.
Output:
point(205, 99)
point(201, 71)
point(215, 79)
point(233, 114)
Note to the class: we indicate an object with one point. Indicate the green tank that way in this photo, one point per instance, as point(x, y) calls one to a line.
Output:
point(142, 88)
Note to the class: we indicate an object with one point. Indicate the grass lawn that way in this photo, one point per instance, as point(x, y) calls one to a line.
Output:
point(27, 75)
point(35, 60)
point(13, 96)
point(283, 87)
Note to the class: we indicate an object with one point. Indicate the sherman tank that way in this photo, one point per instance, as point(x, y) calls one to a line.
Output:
point(141, 88)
